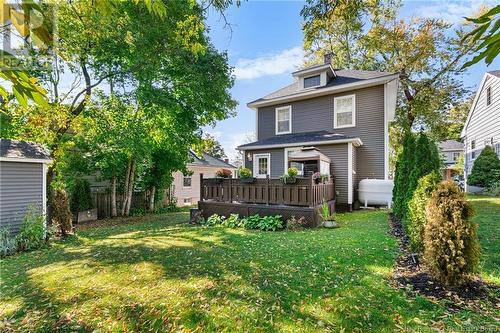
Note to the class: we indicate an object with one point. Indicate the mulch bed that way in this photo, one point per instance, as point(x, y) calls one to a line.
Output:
point(410, 274)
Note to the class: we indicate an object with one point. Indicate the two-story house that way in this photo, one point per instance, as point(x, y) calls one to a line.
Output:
point(451, 150)
point(482, 126)
point(341, 116)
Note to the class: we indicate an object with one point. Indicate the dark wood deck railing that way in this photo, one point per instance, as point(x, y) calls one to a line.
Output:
point(305, 192)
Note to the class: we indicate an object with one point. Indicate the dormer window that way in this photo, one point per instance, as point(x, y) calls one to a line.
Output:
point(312, 81)
point(488, 95)
point(284, 120)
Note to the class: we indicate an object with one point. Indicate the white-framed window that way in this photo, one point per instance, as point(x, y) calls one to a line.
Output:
point(186, 181)
point(312, 81)
point(344, 111)
point(187, 201)
point(284, 120)
point(261, 165)
point(297, 165)
point(455, 156)
point(488, 96)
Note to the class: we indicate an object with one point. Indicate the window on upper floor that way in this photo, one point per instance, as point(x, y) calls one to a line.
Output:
point(284, 120)
point(472, 147)
point(186, 181)
point(312, 81)
point(488, 96)
point(455, 156)
point(344, 111)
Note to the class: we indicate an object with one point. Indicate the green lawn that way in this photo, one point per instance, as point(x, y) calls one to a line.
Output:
point(159, 275)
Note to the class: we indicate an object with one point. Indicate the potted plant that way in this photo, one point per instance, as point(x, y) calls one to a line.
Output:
point(290, 177)
point(316, 177)
point(324, 178)
point(328, 218)
point(246, 175)
point(222, 174)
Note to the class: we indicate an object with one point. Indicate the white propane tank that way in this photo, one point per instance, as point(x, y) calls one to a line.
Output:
point(375, 192)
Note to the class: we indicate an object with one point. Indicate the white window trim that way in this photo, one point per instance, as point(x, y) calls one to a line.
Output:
point(285, 158)
point(256, 165)
point(353, 111)
point(289, 109)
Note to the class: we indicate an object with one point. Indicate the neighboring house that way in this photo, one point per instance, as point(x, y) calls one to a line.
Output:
point(186, 188)
point(451, 151)
point(482, 126)
point(23, 174)
point(344, 114)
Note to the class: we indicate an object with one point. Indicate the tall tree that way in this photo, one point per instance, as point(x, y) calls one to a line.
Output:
point(209, 145)
point(427, 53)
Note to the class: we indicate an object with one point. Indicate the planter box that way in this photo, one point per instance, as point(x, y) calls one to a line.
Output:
point(87, 215)
point(249, 180)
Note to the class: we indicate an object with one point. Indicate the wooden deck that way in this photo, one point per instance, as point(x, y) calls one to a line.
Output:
point(266, 196)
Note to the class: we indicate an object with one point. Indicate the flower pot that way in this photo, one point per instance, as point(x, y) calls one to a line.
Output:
point(317, 180)
point(218, 180)
point(248, 180)
point(330, 224)
point(290, 181)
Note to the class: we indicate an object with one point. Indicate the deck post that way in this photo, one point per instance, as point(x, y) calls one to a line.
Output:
point(201, 187)
point(311, 189)
point(267, 190)
point(230, 189)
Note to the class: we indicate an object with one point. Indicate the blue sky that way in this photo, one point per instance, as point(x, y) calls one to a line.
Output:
point(264, 46)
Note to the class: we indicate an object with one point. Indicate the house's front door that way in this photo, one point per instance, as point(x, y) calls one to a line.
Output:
point(261, 165)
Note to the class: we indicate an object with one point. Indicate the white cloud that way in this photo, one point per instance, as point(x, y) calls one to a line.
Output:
point(231, 141)
point(272, 64)
point(452, 12)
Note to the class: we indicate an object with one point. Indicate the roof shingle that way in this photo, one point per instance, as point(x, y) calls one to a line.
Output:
point(317, 136)
point(23, 149)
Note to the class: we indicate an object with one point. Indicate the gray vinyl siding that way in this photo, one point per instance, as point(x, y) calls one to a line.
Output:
point(337, 153)
point(277, 160)
point(484, 123)
point(21, 184)
point(316, 114)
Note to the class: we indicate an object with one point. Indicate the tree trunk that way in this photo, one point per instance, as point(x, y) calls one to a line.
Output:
point(125, 186)
point(113, 197)
point(152, 199)
point(130, 188)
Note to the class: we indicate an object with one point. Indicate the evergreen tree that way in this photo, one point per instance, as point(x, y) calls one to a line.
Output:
point(486, 169)
point(426, 160)
point(403, 168)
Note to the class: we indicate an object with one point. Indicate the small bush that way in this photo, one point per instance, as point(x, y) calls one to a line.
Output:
point(8, 243)
point(81, 198)
point(245, 173)
point(61, 214)
point(223, 173)
point(293, 172)
point(486, 169)
point(325, 213)
point(451, 247)
point(233, 221)
point(215, 220)
point(493, 189)
point(270, 223)
point(416, 206)
point(296, 224)
point(33, 232)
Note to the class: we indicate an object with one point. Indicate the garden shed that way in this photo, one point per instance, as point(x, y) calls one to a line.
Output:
point(23, 171)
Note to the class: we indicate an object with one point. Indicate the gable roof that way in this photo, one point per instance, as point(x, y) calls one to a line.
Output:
point(491, 74)
point(304, 138)
point(208, 160)
point(450, 145)
point(345, 79)
point(23, 151)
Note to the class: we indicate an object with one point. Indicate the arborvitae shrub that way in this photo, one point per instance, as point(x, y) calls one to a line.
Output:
point(451, 247)
point(426, 185)
point(486, 169)
point(61, 214)
point(404, 165)
point(426, 160)
point(81, 198)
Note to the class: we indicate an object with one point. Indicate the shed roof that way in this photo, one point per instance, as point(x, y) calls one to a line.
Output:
point(23, 150)
point(451, 145)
